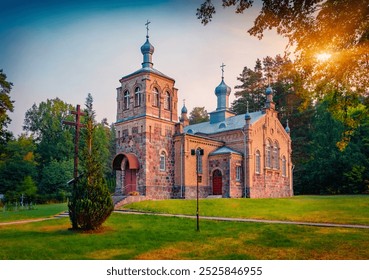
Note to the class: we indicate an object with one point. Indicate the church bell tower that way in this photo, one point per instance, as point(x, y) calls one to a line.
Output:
point(146, 116)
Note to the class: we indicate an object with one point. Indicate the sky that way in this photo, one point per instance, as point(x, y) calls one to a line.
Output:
point(67, 49)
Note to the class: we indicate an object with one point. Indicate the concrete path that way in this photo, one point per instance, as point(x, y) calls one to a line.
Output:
point(243, 220)
point(25, 221)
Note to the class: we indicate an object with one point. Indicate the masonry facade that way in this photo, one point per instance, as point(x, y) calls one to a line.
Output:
point(246, 155)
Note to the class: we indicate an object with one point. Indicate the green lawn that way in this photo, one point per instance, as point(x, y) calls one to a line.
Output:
point(153, 237)
point(126, 236)
point(333, 209)
point(38, 211)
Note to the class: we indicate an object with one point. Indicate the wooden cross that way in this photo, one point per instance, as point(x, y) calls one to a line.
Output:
point(147, 28)
point(222, 66)
point(77, 124)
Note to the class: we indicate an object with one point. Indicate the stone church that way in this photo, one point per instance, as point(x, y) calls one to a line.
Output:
point(246, 155)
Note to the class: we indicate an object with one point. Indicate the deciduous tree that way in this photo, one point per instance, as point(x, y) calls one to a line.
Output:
point(6, 106)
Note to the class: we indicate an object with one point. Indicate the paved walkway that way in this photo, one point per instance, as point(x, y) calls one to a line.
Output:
point(26, 221)
point(243, 220)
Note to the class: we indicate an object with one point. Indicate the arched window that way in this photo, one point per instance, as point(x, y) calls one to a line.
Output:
point(238, 173)
point(276, 155)
point(126, 100)
point(162, 161)
point(156, 98)
point(167, 101)
point(137, 97)
point(284, 166)
point(257, 162)
point(268, 154)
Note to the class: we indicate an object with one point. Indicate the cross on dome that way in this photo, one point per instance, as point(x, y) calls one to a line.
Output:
point(147, 28)
point(222, 66)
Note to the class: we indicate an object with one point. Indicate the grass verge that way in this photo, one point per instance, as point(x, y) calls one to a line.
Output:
point(38, 211)
point(345, 209)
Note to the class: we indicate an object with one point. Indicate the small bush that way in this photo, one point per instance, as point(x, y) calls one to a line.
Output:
point(90, 205)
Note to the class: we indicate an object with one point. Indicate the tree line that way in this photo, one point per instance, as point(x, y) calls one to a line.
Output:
point(37, 165)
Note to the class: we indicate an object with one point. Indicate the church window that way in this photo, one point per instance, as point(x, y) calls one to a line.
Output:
point(126, 100)
point(137, 97)
point(276, 156)
point(257, 162)
point(167, 101)
point(156, 98)
point(162, 161)
point(284, 166)
point(124, 132)
point(268, 155)
point(238, 173)
point(118, 134)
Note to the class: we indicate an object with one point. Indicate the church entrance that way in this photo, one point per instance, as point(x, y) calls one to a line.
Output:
point(217, 182)
point(129, 181)
point(128, 165)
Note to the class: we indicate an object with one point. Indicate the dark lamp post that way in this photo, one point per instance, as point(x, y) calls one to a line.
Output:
point(198, 152)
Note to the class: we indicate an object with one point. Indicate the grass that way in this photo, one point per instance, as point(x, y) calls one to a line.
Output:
point(153, 237)
point(125, 236)
point(38, 211)
point(326, 209)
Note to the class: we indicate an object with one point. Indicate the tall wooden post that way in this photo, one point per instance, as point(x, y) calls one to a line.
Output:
point(77, 124)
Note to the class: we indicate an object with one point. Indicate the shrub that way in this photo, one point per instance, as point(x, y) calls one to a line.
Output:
point(90, 205)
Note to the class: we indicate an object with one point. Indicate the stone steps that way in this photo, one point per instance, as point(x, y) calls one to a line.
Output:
point(214, 196)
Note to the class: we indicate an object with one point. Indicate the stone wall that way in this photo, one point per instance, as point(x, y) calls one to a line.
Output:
point(270, 185)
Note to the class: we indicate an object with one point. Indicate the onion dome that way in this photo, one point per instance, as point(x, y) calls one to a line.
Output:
point(184, 109)
point(222, 89)
point(247, 116)
point(147, 50)
point(269, 91)
point(147, 47)
point(288, 130)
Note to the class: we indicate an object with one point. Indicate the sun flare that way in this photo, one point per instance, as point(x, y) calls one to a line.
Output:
point(322, 57)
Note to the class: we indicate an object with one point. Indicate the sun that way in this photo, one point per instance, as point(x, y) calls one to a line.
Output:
point(322, 57)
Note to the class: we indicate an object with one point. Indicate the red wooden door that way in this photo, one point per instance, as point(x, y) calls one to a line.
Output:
point(217, 182)
point(130, 180)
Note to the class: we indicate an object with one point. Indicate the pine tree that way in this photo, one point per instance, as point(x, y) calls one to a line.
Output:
point(91, 203)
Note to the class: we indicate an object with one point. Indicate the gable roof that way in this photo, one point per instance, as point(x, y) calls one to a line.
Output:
point(224, 150)
point(231, 123)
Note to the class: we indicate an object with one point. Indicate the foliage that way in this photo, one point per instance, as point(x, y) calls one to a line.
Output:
point(53, 179)
point(6, 105)
point(18, 168)
point(54, 147)
point(44, 122)
point(317, 30)
point(198, 115)
point(275, 72)
point(329, 169)
point(91, 203)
